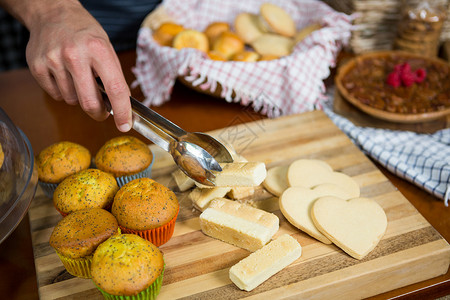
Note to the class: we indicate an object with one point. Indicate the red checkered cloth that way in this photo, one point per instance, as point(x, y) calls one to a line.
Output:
point(291, 84)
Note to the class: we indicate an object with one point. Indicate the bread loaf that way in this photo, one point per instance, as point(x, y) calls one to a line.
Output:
point(238, 224)
point(267, 261)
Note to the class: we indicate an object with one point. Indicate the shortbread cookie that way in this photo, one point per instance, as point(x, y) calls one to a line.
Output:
point(241, 192)
point(202, 197)
point(311, 174)
point(296, 202)
point(183, 181)
point(238, 224)
point(273, 44)
point(277, 19)
point(276, 180)
point(264, 263)
point(240, 174)
point(356, 226)
point(247, 27)
point(305, 163)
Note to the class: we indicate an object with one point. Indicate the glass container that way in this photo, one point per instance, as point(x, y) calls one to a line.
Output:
point(18, 176)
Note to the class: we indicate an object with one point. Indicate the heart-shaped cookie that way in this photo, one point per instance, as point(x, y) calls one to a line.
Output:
point(310, 174)
point(356, 226)
point(276, 180)
point(296, 202)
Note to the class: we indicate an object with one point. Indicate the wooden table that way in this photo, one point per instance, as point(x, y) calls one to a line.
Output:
point(46, 121)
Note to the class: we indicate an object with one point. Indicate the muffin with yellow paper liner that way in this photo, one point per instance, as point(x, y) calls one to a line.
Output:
point(128, 267)
point(58, 161)
point(86, 189)
point(76, 237)
point(126, 158)
point(146, 208)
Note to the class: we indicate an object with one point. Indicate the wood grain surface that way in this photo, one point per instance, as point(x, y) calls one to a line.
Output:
point(197, 266)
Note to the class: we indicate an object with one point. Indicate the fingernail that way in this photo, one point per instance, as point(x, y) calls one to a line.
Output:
point(124, 127)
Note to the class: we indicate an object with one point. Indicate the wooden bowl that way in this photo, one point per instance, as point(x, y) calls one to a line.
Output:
point(380, 113)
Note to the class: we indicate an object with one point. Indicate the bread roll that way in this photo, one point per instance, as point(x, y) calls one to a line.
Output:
point(238, 224)
point(262, 264)
point(247, 56)
point(215, 29)
point(228, 44)
point(190, 38)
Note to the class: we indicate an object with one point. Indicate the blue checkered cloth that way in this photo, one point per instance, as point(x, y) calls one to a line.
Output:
point(422, 159)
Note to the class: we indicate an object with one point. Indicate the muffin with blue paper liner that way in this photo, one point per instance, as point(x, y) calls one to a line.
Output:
point(90, 188)
point(58, 161)
point(76, 237)
point(126, 158)
point(128, 267)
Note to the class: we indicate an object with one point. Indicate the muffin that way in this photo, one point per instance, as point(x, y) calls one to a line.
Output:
point(128, 267)
point(86, 189)
point(126, 158)
point(76, 237)
point(59, 161)
point(146, 208)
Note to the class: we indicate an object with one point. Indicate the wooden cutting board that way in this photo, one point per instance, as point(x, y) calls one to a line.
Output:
point(197, 266)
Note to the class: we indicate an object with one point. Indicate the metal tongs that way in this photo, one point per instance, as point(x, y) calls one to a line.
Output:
point(196, 154)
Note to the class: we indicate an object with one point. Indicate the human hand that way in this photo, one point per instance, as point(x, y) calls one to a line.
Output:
point(67, 49)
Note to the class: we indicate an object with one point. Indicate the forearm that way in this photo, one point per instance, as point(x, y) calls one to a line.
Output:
point(32, 12)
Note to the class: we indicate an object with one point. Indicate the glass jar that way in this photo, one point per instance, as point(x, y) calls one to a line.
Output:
point(420, 27)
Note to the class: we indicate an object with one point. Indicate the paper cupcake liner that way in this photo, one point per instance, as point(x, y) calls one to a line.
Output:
point(79, 267)
point(149, 293)
point(122, 180)
point(157, 236)
point(62, 213)
point(48, 188)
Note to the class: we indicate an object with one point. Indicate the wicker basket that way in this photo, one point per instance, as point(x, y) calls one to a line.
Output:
point(376, 22)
